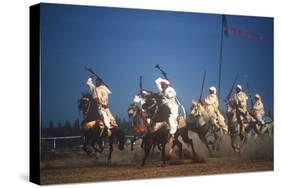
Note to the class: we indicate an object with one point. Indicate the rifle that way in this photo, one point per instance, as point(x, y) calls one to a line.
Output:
point(141, 86)
point(250, 96)
point(94, 74)
point(231, 89)
point(203, 83)
point(162, 71)
point(166, 77)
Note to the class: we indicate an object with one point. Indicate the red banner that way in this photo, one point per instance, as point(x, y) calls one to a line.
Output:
point(249, 35)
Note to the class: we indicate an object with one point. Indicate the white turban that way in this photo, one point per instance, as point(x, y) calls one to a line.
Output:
point(145, 92)
point(239, 87)
point(164, 81)
point(213, 89)
point(257, 96)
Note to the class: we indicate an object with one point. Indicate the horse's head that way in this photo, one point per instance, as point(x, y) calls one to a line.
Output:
point(84, 102)
point(88, 106)
point(133, 111)
point(231, 104)
point(196, 109)
point(137, 118)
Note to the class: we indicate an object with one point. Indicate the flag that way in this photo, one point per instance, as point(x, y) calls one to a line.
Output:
point(225, 26)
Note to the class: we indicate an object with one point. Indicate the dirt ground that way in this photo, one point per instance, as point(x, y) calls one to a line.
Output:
point(70, 166)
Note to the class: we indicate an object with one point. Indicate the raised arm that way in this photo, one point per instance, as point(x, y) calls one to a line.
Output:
point(158, 84)
point(91, 86)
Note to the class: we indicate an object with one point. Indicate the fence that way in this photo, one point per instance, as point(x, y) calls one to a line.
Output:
point(53, 143)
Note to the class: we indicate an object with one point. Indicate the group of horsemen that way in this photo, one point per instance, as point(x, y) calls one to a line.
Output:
point(169, 98)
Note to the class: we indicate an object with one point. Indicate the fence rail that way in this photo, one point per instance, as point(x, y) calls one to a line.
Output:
point(53, 143)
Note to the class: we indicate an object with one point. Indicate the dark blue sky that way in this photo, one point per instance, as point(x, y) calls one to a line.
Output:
point(122, 44)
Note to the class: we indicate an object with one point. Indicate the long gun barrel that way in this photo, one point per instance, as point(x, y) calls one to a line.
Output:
point(232, 87)
point(162, 71)
point(141, 86)
point(166, 77)
point(94, 74)
point(202, 87)
point(250, 95)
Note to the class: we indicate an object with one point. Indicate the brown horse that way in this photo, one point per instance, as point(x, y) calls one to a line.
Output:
point(157, 131)
point(93, 129)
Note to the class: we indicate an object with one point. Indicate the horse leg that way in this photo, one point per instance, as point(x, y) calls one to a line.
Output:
point(152, 150)
point(163, 153)
point(86, 147)
point(132, 143)
point(101, 146)
point(110, 151)
point(208, 147)
point(176, 142)
point(219, 140)
point(194, 154)
point(147, 147)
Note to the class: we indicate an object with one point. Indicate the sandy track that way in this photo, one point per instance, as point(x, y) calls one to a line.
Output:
point(152, 170)
point(70, 166)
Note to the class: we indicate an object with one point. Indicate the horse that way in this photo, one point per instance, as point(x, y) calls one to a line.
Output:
point(93, 129)
point(201, 123)
point(157, 133)
point(240, 131)
point(138, 121)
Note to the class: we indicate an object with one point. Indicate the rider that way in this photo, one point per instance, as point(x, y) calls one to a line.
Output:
point(169, 99)
point(258, 109)
point(100, 93)
point(242, 113)
point(212, 107)
point(141, 97)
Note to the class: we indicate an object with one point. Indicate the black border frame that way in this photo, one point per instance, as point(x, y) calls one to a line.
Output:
point(34, 96)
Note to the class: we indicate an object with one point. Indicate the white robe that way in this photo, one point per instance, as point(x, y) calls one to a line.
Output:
point(170, 100)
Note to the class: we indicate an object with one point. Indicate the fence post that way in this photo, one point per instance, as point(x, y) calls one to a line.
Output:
point(55, 145)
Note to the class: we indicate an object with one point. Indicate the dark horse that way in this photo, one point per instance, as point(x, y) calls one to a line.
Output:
point(93, 130)
point(159, 113)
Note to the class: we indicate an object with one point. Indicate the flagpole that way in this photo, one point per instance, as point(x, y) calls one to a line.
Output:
point(220, 60)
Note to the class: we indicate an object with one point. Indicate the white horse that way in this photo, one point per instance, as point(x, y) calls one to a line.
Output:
point(203, 125)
